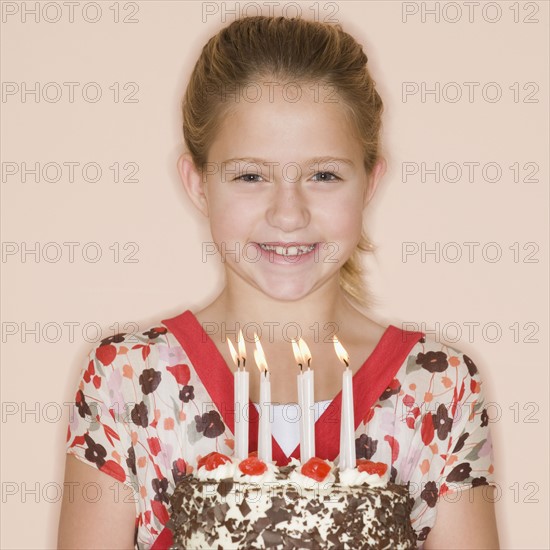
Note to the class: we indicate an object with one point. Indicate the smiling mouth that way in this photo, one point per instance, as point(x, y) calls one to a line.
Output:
point(291, 250)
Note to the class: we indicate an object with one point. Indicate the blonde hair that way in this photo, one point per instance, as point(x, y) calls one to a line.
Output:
point(294, 49)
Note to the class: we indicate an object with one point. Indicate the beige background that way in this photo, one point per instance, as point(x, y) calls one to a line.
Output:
point(158, 52)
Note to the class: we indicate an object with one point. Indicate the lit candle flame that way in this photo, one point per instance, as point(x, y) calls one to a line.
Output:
point(297, 353)
point(259, 355)
point(301, 353)
point(234, 355)
point(341, 352)
point(306, 355)
point(242, 347)
point(241, 356)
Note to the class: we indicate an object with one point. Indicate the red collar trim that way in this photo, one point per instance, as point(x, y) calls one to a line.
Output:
point(369, 382)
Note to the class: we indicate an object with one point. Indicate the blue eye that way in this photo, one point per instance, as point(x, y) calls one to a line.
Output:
point(245, 178)
point(333, 178)
point(256, 178)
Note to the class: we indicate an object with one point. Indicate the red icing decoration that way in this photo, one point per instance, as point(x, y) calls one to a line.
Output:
point(316, 468)
point(212, 460)
point(252, 466)
point(372, 467)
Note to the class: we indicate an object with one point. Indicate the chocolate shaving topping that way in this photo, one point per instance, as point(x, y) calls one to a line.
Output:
point(209, 515)
point(262, 523)
point(220, 510)
point(278, 515)
point(271, 538)
point(225, 486)
point(244, 508)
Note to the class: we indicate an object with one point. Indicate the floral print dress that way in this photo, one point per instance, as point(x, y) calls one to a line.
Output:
point(149, 405)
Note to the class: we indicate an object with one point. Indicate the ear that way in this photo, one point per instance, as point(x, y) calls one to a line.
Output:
point(192, 180)
point(375, 176)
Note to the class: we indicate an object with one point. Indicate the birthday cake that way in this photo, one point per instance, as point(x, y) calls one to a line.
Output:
point(226, 503)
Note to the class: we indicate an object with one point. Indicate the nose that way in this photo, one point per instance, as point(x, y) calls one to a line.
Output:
point(288, 209)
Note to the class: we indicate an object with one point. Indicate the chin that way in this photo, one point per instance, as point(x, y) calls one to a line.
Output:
point(286, 296)
point(288, 291)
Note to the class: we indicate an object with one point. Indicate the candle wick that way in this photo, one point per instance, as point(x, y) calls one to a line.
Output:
point(244, 362)
point(308, 362)
point(347, 364)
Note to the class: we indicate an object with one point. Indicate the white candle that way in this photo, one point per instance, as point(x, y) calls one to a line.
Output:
point(305, 400)
point(264, 435)
point(309, 420)
point(240, 399)
point(347, 419)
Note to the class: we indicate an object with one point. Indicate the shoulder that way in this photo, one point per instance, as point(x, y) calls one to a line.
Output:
point(127, 367)
point(124, 342)
point(135, 350)
point(435, 356)
point(434, 371)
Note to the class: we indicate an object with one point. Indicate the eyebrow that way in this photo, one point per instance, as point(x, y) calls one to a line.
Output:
point(308, 162)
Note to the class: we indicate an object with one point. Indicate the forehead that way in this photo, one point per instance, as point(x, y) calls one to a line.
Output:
point(278, 121)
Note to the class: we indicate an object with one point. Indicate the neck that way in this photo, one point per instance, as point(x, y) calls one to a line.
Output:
point(317, 315)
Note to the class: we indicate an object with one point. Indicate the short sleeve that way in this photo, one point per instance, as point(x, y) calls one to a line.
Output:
point(470, 460)
point(446, 431)
point(95, 434)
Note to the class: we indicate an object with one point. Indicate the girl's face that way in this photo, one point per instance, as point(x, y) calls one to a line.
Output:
point(283, 172)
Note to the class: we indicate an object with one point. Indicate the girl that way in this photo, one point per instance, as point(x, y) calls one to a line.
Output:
point(281, 120)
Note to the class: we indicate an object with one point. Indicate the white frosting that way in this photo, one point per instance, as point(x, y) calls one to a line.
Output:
point(309, 483)
point(348, 477)
point(267, 476)
point(258, 492)
point(294, 462)
point(352, 476)
point(223, 471)
point(259, 501)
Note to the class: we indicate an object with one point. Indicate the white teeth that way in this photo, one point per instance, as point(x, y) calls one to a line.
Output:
point(289, 250)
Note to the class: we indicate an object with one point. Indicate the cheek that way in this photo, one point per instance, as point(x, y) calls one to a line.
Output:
point(342, 218)
point(230, 221)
